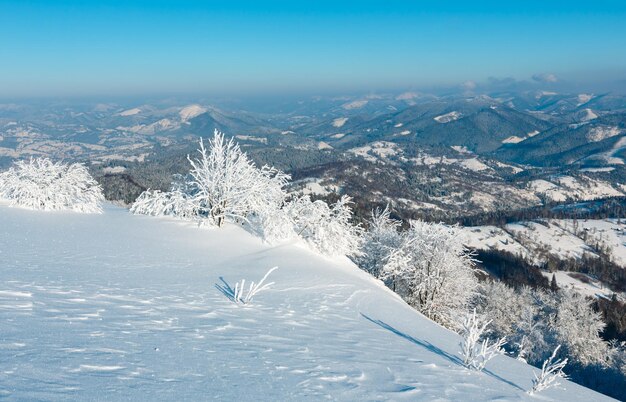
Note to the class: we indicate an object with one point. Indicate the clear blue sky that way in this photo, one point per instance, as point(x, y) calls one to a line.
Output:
point(134, 47)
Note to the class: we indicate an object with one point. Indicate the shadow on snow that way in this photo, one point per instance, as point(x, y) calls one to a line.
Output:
point(425, 344)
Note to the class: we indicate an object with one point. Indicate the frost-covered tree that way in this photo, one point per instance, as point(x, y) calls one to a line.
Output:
point(519, 315)
point(42, 184)
point(328, 229)
point(433, 271)
point(577, 327)
point(502, 304)
point(223, 184)
point(476, 348)
point(379, 242)
point(532, 337)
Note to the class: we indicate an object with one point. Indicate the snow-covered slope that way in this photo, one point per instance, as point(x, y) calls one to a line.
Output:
point(563, 238)
point(118, 306)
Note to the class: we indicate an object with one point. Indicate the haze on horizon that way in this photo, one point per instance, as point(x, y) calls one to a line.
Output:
point(130, 48)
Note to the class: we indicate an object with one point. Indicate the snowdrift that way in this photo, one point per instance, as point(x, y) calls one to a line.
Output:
point(116, 306)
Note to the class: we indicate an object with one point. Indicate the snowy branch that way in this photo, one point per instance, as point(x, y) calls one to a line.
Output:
point(550, 371)
point(475, 353)
point(242, 294)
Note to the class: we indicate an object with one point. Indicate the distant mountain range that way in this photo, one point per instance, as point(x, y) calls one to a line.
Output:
point(439, 155)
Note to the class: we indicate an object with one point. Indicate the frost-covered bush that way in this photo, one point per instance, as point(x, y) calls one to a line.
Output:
point(502, 304)
point(243, 294)
point(327, 229)
point(532, 336)
point(433, 271)
point(519, 315)
point(42, 184)
point(476, 349)
point(223, 184)
point(578, 327)
point(551, 370)
point(379, 242)
point(158, 203)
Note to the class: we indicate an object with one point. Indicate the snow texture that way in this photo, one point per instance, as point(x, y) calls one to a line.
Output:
point(448, 117)
point(124, 307)
point(130, 112)
point(191, 111)
point(339, 122)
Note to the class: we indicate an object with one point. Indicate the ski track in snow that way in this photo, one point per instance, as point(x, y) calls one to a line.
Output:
point(119, 307)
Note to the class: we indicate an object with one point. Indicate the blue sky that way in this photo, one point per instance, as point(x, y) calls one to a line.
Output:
point(149, 47)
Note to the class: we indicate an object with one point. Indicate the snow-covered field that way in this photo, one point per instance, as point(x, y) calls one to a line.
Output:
point(561, 238)
point(116, 306)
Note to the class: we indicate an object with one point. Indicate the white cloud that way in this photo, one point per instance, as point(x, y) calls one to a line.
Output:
point(545, 77)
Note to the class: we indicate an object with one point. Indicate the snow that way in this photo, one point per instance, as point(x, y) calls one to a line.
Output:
point(513, 140)
point(314, 187)
point(378, 150)
point(339, 122)
point(562, 188)
point(474, 164)
point(153, 128)
point(114, 169)
point(462, 149)
point(583, 98)
point(598, 170)
point(261, 140)
point(357, 104)
point(324, 145)
point(589, 288)
point(533, 133)
point(448, 117)
point(606, 232)
point(130, 112)
point(600, 133)
point(125, 306)
point(515, 169)
point(563, 238)
point(493, 238)
point(609, 156)
point(587, 115)
point(483, 200)
point(557, 241)
point(191, 111)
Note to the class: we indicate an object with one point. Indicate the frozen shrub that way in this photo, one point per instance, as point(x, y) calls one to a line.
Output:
point(477, 353)
point(550, 371)
point(433, 271)
point(42, 184)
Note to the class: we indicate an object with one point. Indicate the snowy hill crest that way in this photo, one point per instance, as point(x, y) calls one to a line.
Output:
point(126, 303)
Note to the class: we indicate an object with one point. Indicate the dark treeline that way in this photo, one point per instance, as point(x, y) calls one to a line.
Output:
point(511, 269)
